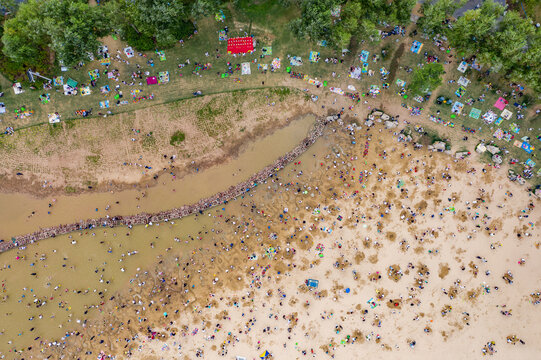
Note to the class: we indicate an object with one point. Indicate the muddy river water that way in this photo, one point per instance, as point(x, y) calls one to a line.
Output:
point(54, 284)
point(16, 216)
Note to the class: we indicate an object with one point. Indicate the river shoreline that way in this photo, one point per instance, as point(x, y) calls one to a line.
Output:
point(175, 213)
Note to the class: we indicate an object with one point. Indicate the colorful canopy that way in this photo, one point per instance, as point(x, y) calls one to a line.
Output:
point(240, 45)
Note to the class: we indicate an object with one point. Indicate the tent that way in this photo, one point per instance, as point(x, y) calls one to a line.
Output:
point(161, 55)
point(58, 81)
point(264, 355)
point(45, 98)
point(222, 35)
point(86, 91)
point(514, 128)
point(457, 107)
point(94, 74)
point(489, 117)
point(355, 73)
point(312, 283)
point(463, 67)
point(416, 47)
point(364, 56)
point(72, 83)
point(295, 61)
point(460, 91)
point(128, 51)
point(364, 69)
point(68, 90)
point(54, 118)
point(163, 77)
point(335, 12)
point(501, 103)
point(266, 50)
point(246, 68)
point(17, 88)
point(240, 45)
point(374, 90)
point(219, 16)
point(152, 80)
point(527, 147)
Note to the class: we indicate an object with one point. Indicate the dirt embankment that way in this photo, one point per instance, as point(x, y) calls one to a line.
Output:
point(119, 151)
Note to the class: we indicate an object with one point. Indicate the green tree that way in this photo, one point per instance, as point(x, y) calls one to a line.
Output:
point(522, 57)
point(22, 38)
point(68, 28)
point(399, 11)
point(164, 21)
point(507, 45)
point(358, 18)
point(201, 8)
point(9, 7)
point(426, 78)
point(315, 22)
point(435, 15)
point(476, 27)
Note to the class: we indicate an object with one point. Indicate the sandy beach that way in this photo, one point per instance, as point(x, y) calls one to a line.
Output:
point(257, 180)
point(399, 252)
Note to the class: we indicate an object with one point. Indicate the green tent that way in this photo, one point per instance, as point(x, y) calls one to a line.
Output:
point(72, 83)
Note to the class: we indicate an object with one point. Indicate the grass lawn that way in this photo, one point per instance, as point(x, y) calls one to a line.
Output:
point(267, 21)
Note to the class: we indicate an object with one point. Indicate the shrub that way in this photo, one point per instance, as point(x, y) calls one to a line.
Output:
point(177, 138)
point(138, 41)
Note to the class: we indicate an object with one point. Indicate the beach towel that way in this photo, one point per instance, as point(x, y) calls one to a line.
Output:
point(463, 81)
point(501, 103)
point(246, 68)
point(498, 134)
point(463, 67)
point(475, 113)
point(416, 47)
point(506, 114)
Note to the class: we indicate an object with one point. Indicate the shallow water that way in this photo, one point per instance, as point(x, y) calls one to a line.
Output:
point(16, 209)
point(77, 273)
point(71, 273)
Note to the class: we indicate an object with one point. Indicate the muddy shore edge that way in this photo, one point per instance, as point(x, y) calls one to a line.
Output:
point(183, 211)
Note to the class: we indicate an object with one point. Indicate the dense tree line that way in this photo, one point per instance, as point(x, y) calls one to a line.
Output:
point(358, 18)
point(499, 38)
point(67, 30)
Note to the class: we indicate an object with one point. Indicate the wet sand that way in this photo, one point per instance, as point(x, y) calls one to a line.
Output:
point(417, 255)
